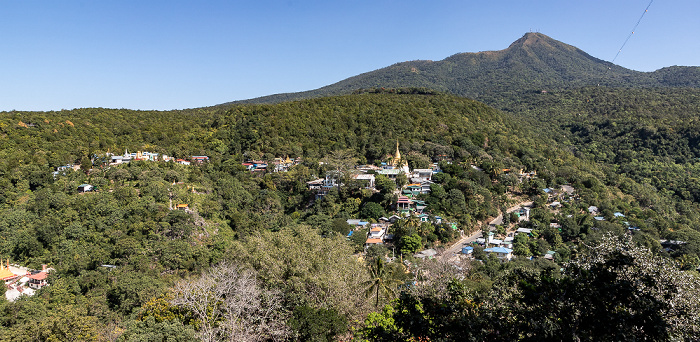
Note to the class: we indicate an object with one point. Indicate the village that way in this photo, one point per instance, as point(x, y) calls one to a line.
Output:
point(495, 237)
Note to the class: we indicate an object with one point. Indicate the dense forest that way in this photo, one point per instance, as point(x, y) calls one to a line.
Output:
point(256, 257)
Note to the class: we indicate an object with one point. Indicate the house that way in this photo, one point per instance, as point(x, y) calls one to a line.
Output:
point(182, 206)
point(377, 232)
point(373, 241)
point(356, 223)
point(37, 279)
point(568, 189)
point(367, 179)
point(283, 164)
point(508, 242)
point(500, 252)
point(618, 214)
point(421, 175)
point(420, 206)
point(593, 209)
point(314, 185)
point(523, 231)
point(82, 188)
point(414, 189)
point(182, 162)
point(322, 186)
point(404, 204)
point(149, 156)
point(368, 168)
point(468, 250)
point(424, 218)
point(425, 187)
point(200, 159)
point(61, 170)
point(549, 255)
point(391, 173)
point(524, 214)
point(329, 183)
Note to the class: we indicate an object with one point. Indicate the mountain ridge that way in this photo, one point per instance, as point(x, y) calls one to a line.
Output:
point(533, 62)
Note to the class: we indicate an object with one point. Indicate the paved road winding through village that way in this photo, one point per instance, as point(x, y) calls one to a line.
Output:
point(457, 246)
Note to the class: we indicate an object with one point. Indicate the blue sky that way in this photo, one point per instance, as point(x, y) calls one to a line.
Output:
point(184, 54)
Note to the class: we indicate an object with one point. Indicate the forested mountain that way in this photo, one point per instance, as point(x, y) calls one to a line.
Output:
point(164, 251)
point(533, 62)
point(129, 268)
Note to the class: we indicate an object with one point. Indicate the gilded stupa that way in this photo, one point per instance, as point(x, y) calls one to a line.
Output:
point(397, 163)
point(5, 272)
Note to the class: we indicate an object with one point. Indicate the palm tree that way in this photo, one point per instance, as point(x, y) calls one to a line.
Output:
point(382, 281)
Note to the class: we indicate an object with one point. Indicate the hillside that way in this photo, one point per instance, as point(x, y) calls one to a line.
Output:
point(129, 262)
point(533, 62)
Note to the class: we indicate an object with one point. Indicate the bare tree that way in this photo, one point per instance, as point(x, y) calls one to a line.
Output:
point(231, 306)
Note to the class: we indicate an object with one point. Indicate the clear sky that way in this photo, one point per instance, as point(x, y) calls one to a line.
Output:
point(156, 54)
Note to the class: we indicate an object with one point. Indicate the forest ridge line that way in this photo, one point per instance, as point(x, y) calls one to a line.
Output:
point(533, 62)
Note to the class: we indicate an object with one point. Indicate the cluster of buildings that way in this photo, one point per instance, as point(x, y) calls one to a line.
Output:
point(280, 164)
point(151, 156)
point(127, 157)
point(419, 181)
point(407, 203)
point(21, 281)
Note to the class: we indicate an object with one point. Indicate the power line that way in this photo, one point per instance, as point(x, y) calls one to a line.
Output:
point(633, 29)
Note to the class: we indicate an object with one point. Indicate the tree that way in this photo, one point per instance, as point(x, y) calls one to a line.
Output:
point(230, 304)
point(384, 184)
point(376, 251)
point(401, 180)
point(614, 291)
point(372, 210)
point(150, 330)
point(409, 244)
point(317, 325)
point(309, 269)
point(418, 161)
point(85, 164)
point(382, 282)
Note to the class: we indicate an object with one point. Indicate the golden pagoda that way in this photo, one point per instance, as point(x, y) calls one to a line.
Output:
point(397, 163)
point(5, 273)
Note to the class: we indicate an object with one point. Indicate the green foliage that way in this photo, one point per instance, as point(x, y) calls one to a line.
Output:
point(410, 244)
point(628, 150)
point(616, 291)
point(384, 184)
point(150, 330)
point(307, 268)
point(383, 282)
point(317, 324)
point(372, 210)
point(533, 63)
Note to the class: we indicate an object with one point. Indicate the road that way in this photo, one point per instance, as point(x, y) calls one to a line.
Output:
point(457, 246)
point(499, 220)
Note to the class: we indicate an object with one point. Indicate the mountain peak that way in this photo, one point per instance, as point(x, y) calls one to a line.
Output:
point(534, 61)
point(539, 40)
